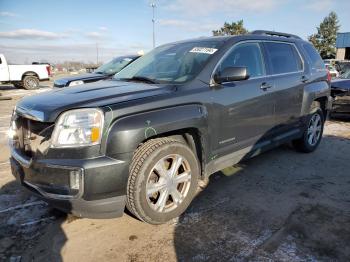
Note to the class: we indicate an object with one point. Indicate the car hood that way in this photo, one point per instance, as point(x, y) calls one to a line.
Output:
point(48, 105)
point(90, 76)
point(341, 84)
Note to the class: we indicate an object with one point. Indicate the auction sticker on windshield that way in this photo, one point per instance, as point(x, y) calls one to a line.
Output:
point(203, 50)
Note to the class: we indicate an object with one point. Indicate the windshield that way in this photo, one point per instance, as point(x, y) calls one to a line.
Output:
point(172, 63)
point(114, 66)
point(345, 75)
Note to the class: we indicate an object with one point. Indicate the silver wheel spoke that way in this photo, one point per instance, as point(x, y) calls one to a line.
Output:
point(160, 205)
point(316, 122)
point(154, 188)
point(160, 167)
point(175, 165)
point(176, 196)
point(184, 177)
point(311, 138)
point(317, 134)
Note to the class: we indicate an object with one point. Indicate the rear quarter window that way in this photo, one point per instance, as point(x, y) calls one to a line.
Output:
point(313, 56)
point(283, 58)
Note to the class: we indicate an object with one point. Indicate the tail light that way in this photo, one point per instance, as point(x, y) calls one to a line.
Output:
point(329, 77)
point(48, 68)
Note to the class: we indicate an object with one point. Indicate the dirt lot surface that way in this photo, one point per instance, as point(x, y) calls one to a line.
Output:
point(280, 206)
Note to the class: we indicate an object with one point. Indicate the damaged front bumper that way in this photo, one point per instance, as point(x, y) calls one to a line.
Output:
point(341, 103)
point(76, 186)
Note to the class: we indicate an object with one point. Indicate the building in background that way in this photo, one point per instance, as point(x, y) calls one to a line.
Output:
point(343, 46)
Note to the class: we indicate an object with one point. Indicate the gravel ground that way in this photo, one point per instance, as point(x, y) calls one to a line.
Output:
point(280, 206)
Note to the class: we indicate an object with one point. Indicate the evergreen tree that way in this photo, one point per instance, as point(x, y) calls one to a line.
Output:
point(235, 28)
point(325, 38)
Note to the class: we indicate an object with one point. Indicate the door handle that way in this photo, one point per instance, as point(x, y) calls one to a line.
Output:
point(304, 79)
point(264, 86)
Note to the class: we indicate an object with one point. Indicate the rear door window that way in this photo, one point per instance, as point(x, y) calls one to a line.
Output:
point(313, 56)
point(283, 58)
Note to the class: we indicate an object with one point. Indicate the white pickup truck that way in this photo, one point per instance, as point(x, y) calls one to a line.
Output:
point(27, 76)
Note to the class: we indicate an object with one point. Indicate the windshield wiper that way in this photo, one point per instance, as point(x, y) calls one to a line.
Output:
point(141, 79)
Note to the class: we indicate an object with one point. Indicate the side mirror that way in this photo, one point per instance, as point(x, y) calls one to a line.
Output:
point(230, 74)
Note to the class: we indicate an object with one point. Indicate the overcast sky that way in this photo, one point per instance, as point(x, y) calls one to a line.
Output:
point(70, 30)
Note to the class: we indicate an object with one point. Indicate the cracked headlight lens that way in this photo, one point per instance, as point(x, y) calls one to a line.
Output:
point(78, 127)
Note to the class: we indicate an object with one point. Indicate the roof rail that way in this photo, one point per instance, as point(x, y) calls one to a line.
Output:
point(273, 33)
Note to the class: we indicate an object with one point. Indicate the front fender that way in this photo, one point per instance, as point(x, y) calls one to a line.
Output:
point(126, 133)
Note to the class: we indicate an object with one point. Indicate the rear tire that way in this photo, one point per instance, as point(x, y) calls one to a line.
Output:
point(30, 82)
point(313, 131)
point(163, 180)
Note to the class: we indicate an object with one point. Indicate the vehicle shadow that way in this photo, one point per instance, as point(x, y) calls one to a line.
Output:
point(10, 87)
point(279, 206)
point(340, 117)
point(30, 230)
point(7, 87)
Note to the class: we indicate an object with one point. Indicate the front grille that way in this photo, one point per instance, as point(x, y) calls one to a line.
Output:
point(58, 85)
point(32, 137)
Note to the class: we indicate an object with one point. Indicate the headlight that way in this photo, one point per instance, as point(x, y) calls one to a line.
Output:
point(12, 130)
point(75, 83)
point(78, 127)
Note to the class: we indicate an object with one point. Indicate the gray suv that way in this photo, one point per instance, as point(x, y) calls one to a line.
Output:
point(185, 110)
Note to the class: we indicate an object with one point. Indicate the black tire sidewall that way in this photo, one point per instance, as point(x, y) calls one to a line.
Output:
point(149, 214)
point(18, 85)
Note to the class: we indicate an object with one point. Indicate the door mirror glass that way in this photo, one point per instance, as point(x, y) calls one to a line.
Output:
point(230, 74)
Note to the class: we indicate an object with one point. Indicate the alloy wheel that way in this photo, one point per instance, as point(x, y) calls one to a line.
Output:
point(31, 83)
point(168, 183)
point(314, 129)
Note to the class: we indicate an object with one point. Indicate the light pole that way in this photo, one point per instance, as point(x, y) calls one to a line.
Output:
point(96, 53)
point(153, 5)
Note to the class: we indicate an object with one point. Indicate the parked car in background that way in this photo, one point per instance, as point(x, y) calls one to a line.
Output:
point(340, 90)
point(173, 117)
point(342, 66)
point(333, 72)
point(26, 76)
point(105, 71)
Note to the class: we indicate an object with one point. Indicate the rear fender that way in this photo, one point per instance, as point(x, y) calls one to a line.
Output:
point(314, 91)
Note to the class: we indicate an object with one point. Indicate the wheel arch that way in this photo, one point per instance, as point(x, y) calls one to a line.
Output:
point(29, 73)
point(187, 123)
point(323, 104)
point(192, 137)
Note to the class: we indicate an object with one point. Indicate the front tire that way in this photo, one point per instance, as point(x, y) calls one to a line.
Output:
point(313, 132)
point(163, 180)
point(30, 82)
